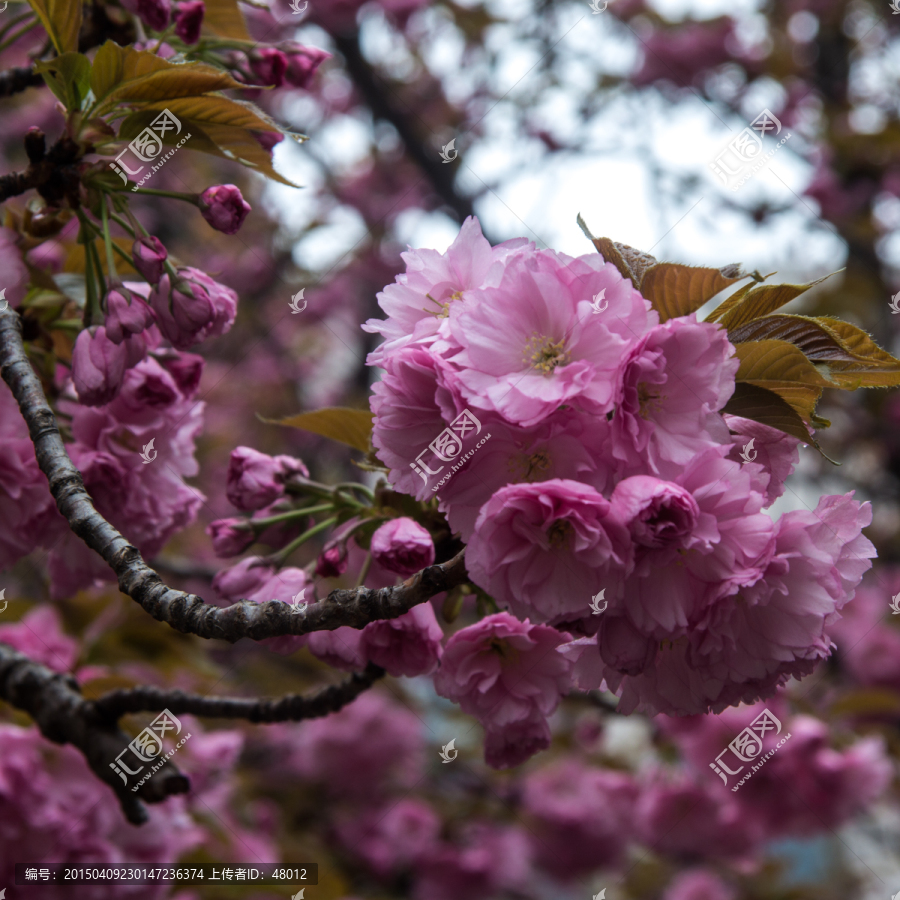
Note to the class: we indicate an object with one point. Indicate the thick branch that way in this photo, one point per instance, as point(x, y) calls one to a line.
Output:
point(374, 93)
point(54, 173)
point(184, 612)
point(291, 708)
point(17, 79)
point(55, 703)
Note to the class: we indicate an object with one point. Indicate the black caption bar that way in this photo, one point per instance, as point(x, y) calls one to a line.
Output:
point(140, 873)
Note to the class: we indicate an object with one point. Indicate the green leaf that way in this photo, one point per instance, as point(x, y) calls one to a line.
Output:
point(631, 263)
point(62, 21)
point(218, 126)
point(781, 368)
point(128, 75)
point(762, 300)
point(677, 290)
point(69, 78)
point(868, 365)
point(348, 426)
point(749, 401)
point(224, 18)
point(106, 72)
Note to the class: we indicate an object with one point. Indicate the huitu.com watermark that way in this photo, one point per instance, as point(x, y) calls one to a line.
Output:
point(148, 146)
point(748, 746)
point(147, 748)
point(447, 446)
point(743, 157)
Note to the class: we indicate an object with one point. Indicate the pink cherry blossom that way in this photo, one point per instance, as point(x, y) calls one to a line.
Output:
point(189, 19)
point(583, 817)
point(402, 545)
point(408, 645)
point(668, 389)
point(391, 838)
point(773, 451)
point(126, 314)
point(98, 366)
point(545, 549)
point(698, 884)
point(533, 343)
point(39, 636)
point(148, 255)
point(504, 672)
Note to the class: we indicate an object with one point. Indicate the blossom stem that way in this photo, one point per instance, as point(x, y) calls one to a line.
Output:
point(280, 557)
point(257, 524)
point(175, 195)
point(107, 239)
point(364, 571)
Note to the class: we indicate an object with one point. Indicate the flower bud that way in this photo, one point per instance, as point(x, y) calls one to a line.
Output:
point(126, 314)
point(224, 208)
point(403, 546)
point(188, 21)
point(148, 256)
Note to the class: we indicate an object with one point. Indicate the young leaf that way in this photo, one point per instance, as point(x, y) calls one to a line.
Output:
point(783, 369)
point(749, 401)
point(818, 343)
point(677, 290)
point(224, 18)
point(129, 75)
point(62, 21)
point(867, 366)
point(762, 300)
point(349, 426)
point(68, 76)
point(631, 263)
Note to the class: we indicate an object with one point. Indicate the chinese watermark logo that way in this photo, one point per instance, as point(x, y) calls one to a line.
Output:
point(148, 454)
point(448, 151)
point(4, 303)
point(743, 158)
point(600, 303)
point(147, 747)
point(3, 598)
point(297, 603)
point(298, 895)
point(449, 751)
point(595, 603)
point(747, 746)
point(748, 454)
point(895, 6)
point(447, 446)
point(895, 300)
point(298, 10)
point(601, 895)
point(596, 9)
point(895, 604)
point(148, 146)
point(295, 302)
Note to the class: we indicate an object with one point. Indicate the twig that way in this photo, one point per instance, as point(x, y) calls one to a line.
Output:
point(184, 612)
point(17, 79)
point(291, 708)
point(63, 716)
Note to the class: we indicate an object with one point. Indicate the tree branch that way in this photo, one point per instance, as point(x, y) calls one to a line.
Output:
point(184, 612)
point(53, 173)
point(63, 716)
point(367, 82)
point(17, 79)
point(291, 708)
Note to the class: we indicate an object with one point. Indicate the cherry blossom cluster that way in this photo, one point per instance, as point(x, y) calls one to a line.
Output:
point(610, 468)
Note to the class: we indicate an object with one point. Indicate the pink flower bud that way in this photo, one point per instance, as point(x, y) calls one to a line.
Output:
point(332, 562)
point(154, 13)
point(402, 546)
point(188, 21)
point(302, 63)
point(98, 366)
point(126, 314)
point(224, 208)
point(229, 540)
point(197, 308)
point(269, 66)
point(148, 256)
point(256, 479)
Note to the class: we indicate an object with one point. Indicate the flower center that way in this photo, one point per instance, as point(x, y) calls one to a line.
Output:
point(443, 309)
point(648, 402)
point(545, 354)
point(526, 468)
point(560, 533)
